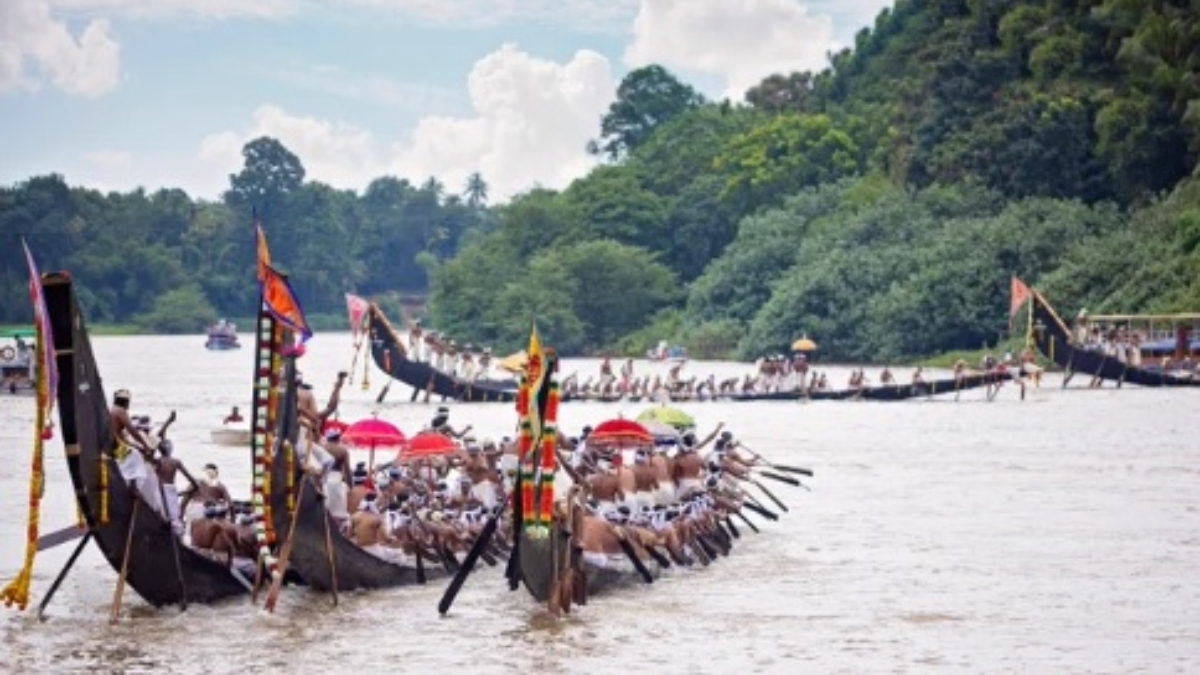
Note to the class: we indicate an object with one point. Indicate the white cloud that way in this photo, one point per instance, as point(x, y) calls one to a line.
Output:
point(35, 46)
point(205, 9)
point(739, 41)
point(339, 154)
point(583, 15)
point(367, 88)
point(530, 122)
point(108, 158)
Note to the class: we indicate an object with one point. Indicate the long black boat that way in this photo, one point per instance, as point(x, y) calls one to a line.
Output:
point(319, 552)
point(888, 392)
point(390, 356)
point(1053, 339)
point(105, 501)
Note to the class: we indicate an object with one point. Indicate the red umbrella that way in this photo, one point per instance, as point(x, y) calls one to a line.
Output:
point(373, 433)
point(427, 444)
point(620, 433)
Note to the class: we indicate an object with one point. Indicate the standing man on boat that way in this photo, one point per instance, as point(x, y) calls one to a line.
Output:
point(133, 450)
point(415, 340)
point(167, 467)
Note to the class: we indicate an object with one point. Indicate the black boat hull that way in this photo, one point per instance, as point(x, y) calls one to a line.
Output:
point(84, 423)
point(889, 392)
point(310, 555)
point(391, 357)
point(1053, 339)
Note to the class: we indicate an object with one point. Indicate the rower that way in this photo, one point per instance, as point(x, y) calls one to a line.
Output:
point(337, 478)
point(441, 424)
point(166, 469)
point(233, 417)
point(133, 448)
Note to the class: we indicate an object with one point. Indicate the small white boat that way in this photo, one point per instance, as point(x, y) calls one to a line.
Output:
point(17, 362)
point(231, 437)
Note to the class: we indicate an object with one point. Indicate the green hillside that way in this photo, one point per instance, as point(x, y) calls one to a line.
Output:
point(879, 205)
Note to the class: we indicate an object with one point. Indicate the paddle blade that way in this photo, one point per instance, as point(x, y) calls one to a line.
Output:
point(779, 477)
point(460, 577)
point(792, 469)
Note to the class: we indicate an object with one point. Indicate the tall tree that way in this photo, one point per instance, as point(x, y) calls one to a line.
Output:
point(476, 191)
point(270, 174)
point(646, 98)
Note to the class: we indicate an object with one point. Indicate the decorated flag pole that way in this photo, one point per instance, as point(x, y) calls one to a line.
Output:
point(46, 375)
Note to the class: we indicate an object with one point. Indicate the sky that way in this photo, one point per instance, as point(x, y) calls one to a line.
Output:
point(117, 94)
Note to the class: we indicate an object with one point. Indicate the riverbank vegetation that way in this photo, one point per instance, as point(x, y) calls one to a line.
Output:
point(879, 205)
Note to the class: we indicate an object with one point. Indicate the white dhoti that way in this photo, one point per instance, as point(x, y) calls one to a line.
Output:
point(171, 494)
point(135, 471)
point(644, 499)
point(336, 496)
point(312, 456)
point(387, 553)
point(687, 486)
point(603, 560)
point(485, 493)
point(665, 494)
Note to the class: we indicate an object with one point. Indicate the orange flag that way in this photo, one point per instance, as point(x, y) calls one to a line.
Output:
point(1020, 294)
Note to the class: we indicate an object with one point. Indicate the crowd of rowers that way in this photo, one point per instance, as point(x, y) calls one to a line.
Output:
point(1126, 346)
point(669, 497)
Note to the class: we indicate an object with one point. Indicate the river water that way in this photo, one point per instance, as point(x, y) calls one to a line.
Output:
point(1060, 534)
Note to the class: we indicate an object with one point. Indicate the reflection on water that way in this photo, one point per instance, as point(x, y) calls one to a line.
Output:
point(1059, 533)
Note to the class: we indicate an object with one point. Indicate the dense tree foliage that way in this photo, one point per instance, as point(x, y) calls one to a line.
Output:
point(879, 205)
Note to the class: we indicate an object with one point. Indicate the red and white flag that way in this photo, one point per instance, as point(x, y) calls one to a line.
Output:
point(1020, 295)
point(356, 307)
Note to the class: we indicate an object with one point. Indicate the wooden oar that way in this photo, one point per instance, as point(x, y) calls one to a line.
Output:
point(384, 392)
point(162, 492)
point(773, 465)
point(760, 510)
point(87, 536)
point(771, 496)
point(116, 603)
point(460, 577)
point(746, 520)
point(779, 477)
point(631, 553)
point(286, 553)
point(333, 576)
point(732, 529)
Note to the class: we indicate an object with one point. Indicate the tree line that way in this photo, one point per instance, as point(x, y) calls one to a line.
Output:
point(880, 204)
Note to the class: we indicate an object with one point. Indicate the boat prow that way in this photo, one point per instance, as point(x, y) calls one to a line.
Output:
point(104, 499)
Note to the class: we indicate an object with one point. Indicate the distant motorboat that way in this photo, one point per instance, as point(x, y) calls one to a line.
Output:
point(222, 335)
point(667, 352)
point(232, 437)
point(17, 361)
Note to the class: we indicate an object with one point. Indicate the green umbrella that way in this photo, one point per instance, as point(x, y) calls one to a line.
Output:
point(672, 416)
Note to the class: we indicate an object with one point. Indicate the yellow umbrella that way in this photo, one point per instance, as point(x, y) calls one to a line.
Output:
point(804, 344)
point(514, 363)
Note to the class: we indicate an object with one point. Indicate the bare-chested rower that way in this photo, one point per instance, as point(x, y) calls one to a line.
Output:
point(369, 531)
point(209, 489)
point(167, 467)
point(482, 474)
point(214, 532)
point(604, 486)
point(661, 465)
point(645, 480)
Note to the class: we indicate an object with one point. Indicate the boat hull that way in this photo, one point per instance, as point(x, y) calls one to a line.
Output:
point(390, 356)
point(320, 553)
point(1053, 338)
point(84, 425)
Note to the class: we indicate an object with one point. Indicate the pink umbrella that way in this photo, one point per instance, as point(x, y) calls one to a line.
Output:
point(373, 433)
